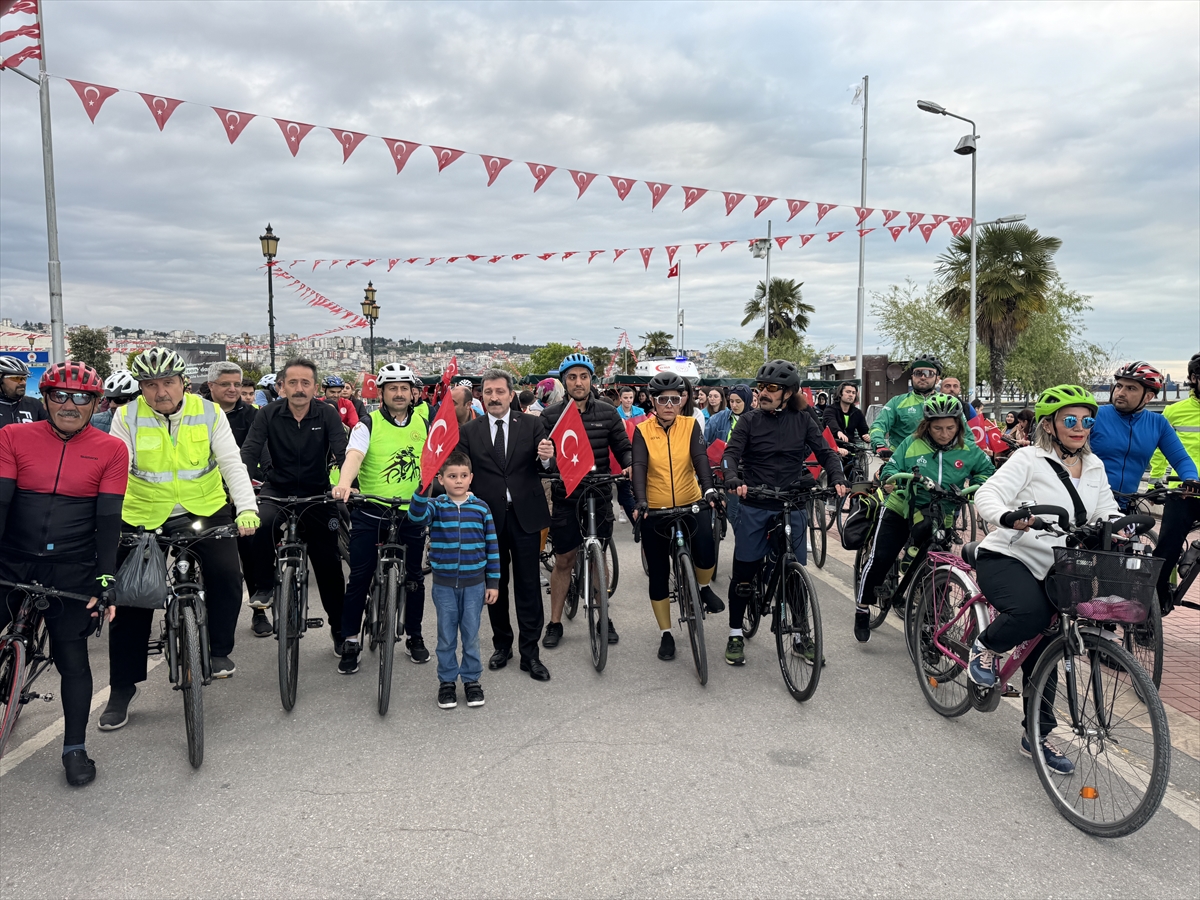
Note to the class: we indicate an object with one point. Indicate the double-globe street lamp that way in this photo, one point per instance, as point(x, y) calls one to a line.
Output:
point(270, 246)
point(370, 311)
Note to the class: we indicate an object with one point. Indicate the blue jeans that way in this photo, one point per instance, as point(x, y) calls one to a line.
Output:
point(458, 611)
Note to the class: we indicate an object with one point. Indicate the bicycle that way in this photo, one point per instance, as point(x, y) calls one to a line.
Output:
point(183, 634)
point(383, 618)
point(790, 597)
point(684, 591)
point(290, 604)
point(818, 523)
point(614, 568)
point(1117, 733)
point(25, 652)
point(857, 468)
point(719, 521)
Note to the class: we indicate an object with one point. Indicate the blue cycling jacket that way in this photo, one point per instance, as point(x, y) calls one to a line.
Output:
point(1126, 443)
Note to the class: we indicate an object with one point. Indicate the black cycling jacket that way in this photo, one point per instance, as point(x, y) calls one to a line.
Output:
point(852, 424)
point(770, 448)
point(25, 409)
point(300, 453)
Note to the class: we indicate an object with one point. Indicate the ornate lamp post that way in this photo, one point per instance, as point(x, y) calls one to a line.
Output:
point(270, 246)
point(370, 311)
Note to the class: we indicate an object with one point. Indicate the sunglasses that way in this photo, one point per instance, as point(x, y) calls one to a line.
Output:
point(668, 401)
point(79, 398)
point(924, 373)
point(1072, 421)
point(770, 388)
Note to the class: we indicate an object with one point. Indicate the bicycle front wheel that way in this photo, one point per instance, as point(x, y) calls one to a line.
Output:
point(12, 680)
point(594, 585)
point(691, 615)
point(387, 638)
point(1114, 731)
point(943, 680)
point(798, 633)
point(614, 565)
point(191, 683)
point(1144, 642)
point(818, 531)
point(287, 632)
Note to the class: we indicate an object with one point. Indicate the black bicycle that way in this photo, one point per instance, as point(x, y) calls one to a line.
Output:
point(857, 469)
point(818, 523)
point(684, 591)
point(383, 620)
point(25, 652)
point(614, 568)
point(791, 598)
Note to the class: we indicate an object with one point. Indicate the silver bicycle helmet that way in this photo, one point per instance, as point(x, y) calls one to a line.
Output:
point(11, 367)
point(120, 385)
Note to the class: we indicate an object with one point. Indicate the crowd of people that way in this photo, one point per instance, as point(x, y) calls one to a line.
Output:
point(231, 452)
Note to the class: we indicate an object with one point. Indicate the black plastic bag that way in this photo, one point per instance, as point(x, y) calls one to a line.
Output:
point(142, 578)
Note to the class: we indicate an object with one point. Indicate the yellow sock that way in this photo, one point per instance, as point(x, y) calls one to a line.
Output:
point(662, 613)
point(704, 576)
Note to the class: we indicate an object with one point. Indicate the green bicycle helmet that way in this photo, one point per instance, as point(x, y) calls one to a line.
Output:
point(942, 406)
point(1062, 395)
point(157, 362)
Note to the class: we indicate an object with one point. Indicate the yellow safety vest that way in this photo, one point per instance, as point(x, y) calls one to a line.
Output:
point(163, 472)
point(670, 476)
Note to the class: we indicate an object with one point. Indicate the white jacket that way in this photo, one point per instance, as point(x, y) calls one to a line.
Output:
point(1027, 479)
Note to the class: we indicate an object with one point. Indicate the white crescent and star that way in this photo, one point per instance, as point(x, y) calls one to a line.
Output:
point(570, 432)
point(440, 423)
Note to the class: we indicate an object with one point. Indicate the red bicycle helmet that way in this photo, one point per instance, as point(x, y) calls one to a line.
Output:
point(1143, 373)
point(71, 376)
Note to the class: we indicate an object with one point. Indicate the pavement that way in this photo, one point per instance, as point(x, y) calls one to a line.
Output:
point(636, 782)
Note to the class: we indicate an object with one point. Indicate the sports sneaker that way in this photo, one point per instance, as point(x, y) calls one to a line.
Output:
point(554, 633)
point(116, 713)
point(415, 648)
point(474, 693)
point(80, 769)
point(447, 698)
point(348, 664)
point(222, 666)
point(1055, 761)
point(666, 649)
point(712, 603)
point(261, 625)
point(735, 650)
point(862, 625)
point(982, 669)
point(803, 647)
point(338, 644)
point(262, 599)
point(613, 637)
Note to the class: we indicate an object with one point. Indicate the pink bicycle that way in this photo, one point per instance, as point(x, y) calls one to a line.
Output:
point(1109, 720)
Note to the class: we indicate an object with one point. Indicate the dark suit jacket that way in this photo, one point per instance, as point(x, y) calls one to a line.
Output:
point(520, 474)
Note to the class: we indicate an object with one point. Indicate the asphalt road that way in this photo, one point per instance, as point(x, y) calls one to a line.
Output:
point(637, 782)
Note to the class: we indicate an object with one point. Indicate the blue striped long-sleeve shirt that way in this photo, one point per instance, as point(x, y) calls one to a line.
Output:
point(462, 540)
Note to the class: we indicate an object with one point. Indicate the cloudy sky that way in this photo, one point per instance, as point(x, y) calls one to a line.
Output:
point(1089, 116)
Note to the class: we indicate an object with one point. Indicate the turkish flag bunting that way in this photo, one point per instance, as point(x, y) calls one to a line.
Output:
point(450, 372)
point(594, 253)
point(732, 200)
point(33, 51)
point(494, 165)
point(914, 219)
point(646, 251)
point(349, 140)
point(725, 244)
point(864, 213)
point(369, 262)
point(233, 121)
point(442, 439)
point(617, 253)
point(317, 262)
point(352, 262)
point(783, 240)
point(334, 263)
point(517, 256)
point(658, 190)
point(794, 208)
point(582, 180)
point(822, 209)
point(545, 256)
point(453, 259)
point(411, 260)
point(160, 107)
point(401, 151)
point(959, 225)
point(445, 156)
point(572, 448)
point(986, 434)
point(569, 254)
point(92, 95)
point(673, 272)
point(834, 235)
point(700, 247)
point(938, 220)
point(927, 230)
point(540, 174)
point(623, 185)
point(889, 214)
point(863, 232)
point(474, 257)
point(763, 203)
point(392, 264)
point(496, 259)
point(294, 133)
point(433, 260)
point(23, 6)
point(715, 451)
point(896, 231)
point(692, 194)
point(671, 251)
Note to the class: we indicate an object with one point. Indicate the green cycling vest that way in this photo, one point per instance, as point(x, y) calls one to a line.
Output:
point(392, 464)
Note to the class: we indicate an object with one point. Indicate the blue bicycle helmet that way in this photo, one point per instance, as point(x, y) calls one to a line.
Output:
point(333, 381)
point(576, 359)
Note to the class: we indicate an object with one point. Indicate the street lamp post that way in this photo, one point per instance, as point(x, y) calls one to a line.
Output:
point(762, 249)
point(370, 311)
point(270, 246)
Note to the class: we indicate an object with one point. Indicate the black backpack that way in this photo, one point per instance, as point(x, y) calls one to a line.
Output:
point(864, 510)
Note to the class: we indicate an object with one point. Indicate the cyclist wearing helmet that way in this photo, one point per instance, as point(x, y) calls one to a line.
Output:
point(671, 468)
point(334, 386)
point(384, 454)
point(769, 447)
point(15, 407)
point(182, 459)
point(944, 452)
point(1012, 563)
point(61, 485)
point(350, 392)
point(1180, 514)
point(605, 433)
point(901, 415)
point(119, 389)
point(266, 390)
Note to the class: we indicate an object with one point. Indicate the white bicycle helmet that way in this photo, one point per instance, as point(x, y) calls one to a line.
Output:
point(120, 385)
point(267, 380)
point(397, 372)
point(11, 367)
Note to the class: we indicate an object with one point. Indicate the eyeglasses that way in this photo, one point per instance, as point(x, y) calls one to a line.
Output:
point(79, 398)
point(770, 388)
point(1072, 421)
point(924, 373)
point(673, 400)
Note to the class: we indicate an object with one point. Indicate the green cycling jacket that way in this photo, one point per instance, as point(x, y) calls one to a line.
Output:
point(966, 464)
point(898, 419)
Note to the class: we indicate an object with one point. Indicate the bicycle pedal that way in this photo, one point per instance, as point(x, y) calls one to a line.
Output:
point(47, 697)
point(314, 623)
point(155, 648)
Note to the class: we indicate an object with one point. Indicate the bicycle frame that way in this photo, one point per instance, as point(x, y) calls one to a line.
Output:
point(185, 591)
point(393, 554)
point(28, 626)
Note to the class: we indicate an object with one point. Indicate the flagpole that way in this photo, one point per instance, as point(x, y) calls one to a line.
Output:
point(767, 302)
point(862, 244)
point(678, 301)
point(58, 347)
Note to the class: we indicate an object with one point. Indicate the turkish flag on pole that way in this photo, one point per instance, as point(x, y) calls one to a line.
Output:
point(451, 371)
point(443, 438)
point(986, 434)
point(673, 272)
point(572, 447)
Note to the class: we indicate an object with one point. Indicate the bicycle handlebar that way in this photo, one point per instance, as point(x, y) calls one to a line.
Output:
point(359, 498)
point(129, 538)
point(1013, 516)
point(792, 495)
point(44, 591)
point(296, 501)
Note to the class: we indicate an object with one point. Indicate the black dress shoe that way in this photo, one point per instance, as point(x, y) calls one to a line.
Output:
point(80, 769)
point(500, 658)
point(536, 670)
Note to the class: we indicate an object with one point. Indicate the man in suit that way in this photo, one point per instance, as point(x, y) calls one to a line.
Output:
point(508, 452)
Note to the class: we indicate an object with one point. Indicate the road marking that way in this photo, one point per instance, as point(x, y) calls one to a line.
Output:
point(18, 755)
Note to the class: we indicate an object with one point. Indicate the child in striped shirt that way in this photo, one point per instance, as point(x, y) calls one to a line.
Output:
point(465, 558)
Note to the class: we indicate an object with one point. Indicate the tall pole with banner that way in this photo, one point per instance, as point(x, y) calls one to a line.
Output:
point(58, 344)
point(862, 251)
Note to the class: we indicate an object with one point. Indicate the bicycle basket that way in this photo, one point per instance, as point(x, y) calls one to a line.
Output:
point(142, 578)
point(1103, 586)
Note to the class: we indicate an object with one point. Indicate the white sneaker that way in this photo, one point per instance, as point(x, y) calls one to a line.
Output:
point(621, 518)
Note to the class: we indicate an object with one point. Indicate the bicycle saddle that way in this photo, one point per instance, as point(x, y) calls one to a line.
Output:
point(969, 551)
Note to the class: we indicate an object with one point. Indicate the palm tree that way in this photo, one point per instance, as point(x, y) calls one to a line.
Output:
point(1015, 273)
point(658, 343)
point(789, 312)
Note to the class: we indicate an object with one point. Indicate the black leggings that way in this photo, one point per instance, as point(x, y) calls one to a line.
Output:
point(891, 536)
point(1179, 515)
point(656, 538)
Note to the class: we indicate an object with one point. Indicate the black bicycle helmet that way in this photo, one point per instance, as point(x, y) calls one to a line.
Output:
point(781, 372)
point(926, 361)
point(666, 381)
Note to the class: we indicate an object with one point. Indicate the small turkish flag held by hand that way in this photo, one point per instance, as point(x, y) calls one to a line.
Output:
point(572, 448)
point(443, 438)
point(451, 371)
point(986, 434)
point(370, 389)
point(715, 451)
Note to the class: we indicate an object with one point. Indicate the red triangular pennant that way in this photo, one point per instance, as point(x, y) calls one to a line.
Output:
point(617, 253)
point(391, 262)
point(822, 209)
point(593, 254)
point(889, 214)
point(658, 190)
point(646, 251)
point(494, 165)
point(927, 230)
point(700, 247)
point(938, 220)
point(411, 260)
point(582, 180)
point(794, 208)
point(401, 151)
point(896, 231)
point(453, 259)
point(233, 121)
point(517, 256)
point(540, 174)
point(834, 235)
point(863, 232)
point(804, 239)
point(496, 259)
point(569, 253)
point(160, 107)
point(783, 240)
point(959, 225)
point(623, 185)
point(732, 200)
point(433, 260)
point(671, 250)
point(474, 257)
point(864, 213)
point(349, 140)
point(545, 256)
point(763, 203)
point(725, 244)
point(445, 155)
point(914, 219)
point(692, 194)
point(92, 96)
point(293, 133)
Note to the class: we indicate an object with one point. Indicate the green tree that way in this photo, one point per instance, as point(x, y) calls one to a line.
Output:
point(789, 313)
point(548, 358)
point(90, 346)
point(1015, 274)
point(908, 316)
point(658, 343)
point(601, 357)
point(741, 359)
point(130, 357)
